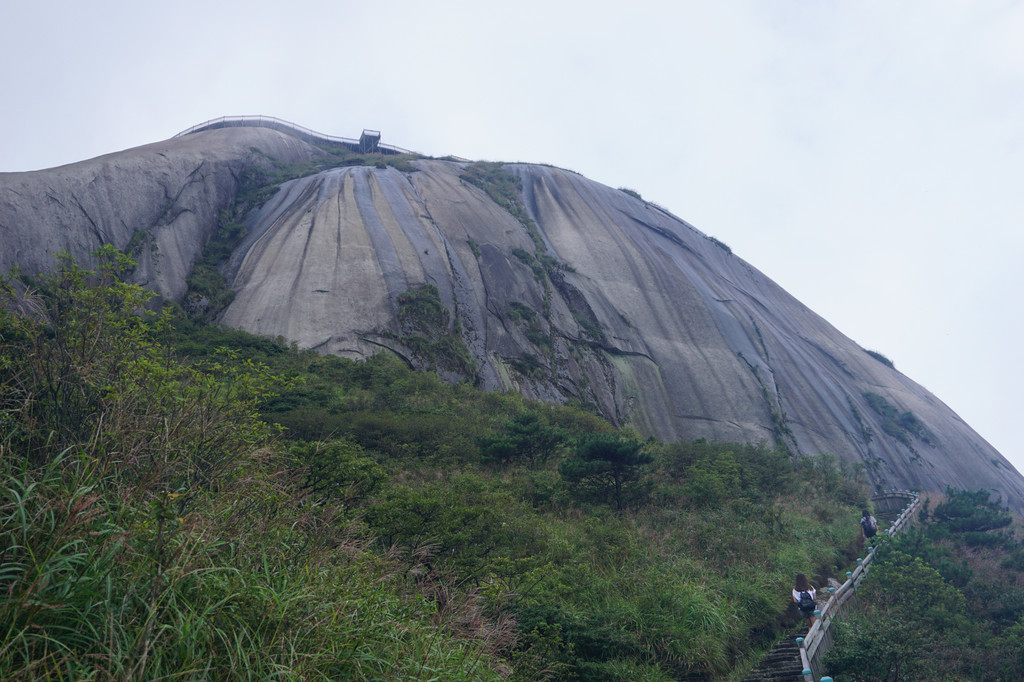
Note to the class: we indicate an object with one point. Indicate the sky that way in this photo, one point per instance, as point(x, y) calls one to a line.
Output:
point(867, 156)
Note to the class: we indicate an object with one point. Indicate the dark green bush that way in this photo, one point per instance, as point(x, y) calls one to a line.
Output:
point(88, 370)
point(965, 511)
point(463, 521)
point(881, 358)
point(421, 310)
point(339, 471)
point(608, 468)
point(525, 438)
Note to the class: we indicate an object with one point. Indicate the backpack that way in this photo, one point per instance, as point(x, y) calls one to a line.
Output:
point(807, 604)
point(869, 527)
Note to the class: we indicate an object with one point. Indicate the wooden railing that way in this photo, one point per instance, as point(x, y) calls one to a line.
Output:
point(286, 127)
point(843, 598)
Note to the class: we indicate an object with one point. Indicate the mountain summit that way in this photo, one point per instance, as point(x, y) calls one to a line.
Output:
point(512, 276)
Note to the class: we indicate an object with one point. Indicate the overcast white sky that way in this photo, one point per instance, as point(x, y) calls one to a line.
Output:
point(867, 156)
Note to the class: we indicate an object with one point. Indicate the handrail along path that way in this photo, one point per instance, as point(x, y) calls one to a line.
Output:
point(818, 639)
point(291, 129)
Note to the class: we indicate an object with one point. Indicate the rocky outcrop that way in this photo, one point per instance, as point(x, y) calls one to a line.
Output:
point(518, 276)
point(162, 202)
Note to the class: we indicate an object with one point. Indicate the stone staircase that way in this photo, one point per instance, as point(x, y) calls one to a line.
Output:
point(787, 660)
point(781, 664)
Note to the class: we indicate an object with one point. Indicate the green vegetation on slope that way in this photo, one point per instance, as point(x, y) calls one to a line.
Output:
point(155, 524)
point(900, 425)
point(505, 188)
point(427, 333)
point(943, 601)
point(151, 529)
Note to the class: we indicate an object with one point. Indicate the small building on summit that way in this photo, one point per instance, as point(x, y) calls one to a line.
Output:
point(369, 141)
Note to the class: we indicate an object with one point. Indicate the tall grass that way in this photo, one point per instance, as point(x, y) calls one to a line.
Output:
point(154, 524)
point(252, 582)
point(158, 533)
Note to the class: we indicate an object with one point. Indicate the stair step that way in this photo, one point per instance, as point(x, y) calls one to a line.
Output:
point(775, 675)
point(781, 664)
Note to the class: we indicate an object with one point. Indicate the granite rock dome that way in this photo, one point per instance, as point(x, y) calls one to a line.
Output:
point(515, 276)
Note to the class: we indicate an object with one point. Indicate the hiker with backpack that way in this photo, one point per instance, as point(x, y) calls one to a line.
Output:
point(803, 595)
point(868, 525)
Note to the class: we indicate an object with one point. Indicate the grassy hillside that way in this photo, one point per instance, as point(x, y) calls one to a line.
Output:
point(188, 502)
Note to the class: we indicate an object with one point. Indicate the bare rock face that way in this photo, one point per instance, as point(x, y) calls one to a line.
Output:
point(161, 202)
point(518, 276)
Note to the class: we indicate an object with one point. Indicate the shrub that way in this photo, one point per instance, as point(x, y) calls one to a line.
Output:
point(525, 438)
point(713, 479)
point(608, 467)
point(899, 425)
point(87, 372)
point(158, 535)
point(720, 244)
point(881, 358)
point(964, 511)
point(907, 603)
point(462, 520)
point(421, 310)
point(339, 471)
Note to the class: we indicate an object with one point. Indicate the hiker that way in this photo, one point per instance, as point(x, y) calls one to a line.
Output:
point(868, 525)
point(803, 595)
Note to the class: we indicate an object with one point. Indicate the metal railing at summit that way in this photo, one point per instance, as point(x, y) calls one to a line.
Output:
point(292, 129)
